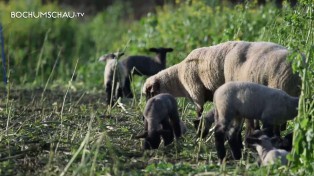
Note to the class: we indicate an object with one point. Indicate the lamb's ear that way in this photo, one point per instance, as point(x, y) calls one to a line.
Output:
point(252, 140)
point(106, 57)
point(169, 49)
point(276, 139)
point(119, 54)
point(142, 135)
point(153, 50)
point(258, 133)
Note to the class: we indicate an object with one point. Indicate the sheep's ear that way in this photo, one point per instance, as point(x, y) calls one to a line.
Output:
point(169, 49)
point(252, 140)
point(153, 50)
point(142, 135)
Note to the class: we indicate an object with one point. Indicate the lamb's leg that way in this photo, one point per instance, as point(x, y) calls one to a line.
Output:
point(249, 128)
point(257, 126)
point(276, 130)
point(175, 121)
point(167, 135)
point(119, 92)
point(108, 92)
point(269, 129)
point(220, 141)
point(235, 140)
point(145, 125)
point(127, 88)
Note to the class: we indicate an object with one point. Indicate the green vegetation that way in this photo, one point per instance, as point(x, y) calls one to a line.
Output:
point(52, 115)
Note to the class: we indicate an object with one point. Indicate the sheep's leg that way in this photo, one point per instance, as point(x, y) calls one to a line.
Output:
point(127, 88)
point(108, 92)
point(235, 140)
point(220, 141)
point(167, 133)
point(199, 103)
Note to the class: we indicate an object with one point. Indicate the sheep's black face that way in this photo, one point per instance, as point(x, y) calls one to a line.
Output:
point(152, 141)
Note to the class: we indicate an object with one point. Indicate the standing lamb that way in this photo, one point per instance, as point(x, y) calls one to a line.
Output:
point(161, 110)
point(114, 76)
point(205, 69)
point(144, 65)
point(267, 152)
point(237, 100)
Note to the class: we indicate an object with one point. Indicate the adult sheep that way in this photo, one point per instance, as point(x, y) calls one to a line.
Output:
point(144, 65)
point(114, 76)
point(205, 69)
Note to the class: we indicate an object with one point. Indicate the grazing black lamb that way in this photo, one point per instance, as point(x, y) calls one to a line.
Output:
point(237, 100)
point(144, 65)
point(161, 119)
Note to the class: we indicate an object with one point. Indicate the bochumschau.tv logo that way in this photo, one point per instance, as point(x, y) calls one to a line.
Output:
point(50, 14)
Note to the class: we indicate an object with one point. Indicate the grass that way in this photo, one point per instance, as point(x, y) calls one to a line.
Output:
point(71, 133)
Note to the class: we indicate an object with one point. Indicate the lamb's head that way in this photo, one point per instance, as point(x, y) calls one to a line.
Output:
point(262, 142)
point(151, 87)
point(276, 141)
point(152, 138)
point(106, 57)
